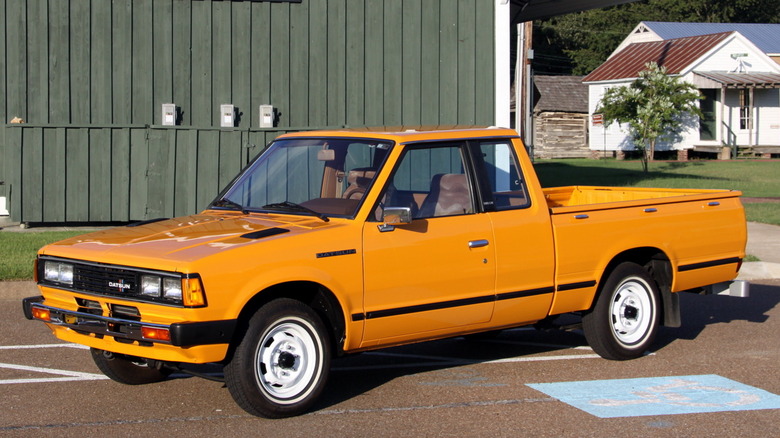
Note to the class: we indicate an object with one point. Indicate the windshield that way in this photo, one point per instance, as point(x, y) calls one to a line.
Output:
point(320, 177)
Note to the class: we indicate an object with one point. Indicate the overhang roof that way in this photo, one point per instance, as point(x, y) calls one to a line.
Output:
point(743, 80)
point(675, 55)
point(528, 10)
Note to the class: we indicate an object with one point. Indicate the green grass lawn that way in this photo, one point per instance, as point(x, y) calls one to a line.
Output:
point(755, 178)
point(19, 248)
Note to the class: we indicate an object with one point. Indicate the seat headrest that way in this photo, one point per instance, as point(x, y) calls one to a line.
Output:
point(451, 182)
point(361, 176)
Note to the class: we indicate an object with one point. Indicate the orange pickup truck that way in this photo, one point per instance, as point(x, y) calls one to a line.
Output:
point(337, 242)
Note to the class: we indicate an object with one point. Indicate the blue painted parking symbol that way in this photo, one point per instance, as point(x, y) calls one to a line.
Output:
point(660, 396)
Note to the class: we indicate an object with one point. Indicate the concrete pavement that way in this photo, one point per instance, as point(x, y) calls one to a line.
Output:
point(764, 244)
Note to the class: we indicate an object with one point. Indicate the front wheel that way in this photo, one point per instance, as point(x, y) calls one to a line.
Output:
point(625, 319)
point(129, 370)
point(281, 364)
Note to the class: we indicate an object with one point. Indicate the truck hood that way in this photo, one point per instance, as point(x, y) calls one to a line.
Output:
point(170, 243)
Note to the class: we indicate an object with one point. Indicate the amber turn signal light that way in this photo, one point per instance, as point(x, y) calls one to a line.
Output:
point(157, 334)
point(193, 293)
point(42, 314)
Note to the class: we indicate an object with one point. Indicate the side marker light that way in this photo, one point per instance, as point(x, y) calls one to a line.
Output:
point(42, 314)
point(157, 334)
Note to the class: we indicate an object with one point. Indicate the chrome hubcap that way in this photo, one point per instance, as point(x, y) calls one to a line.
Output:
point(632, 311)
point(287, 360)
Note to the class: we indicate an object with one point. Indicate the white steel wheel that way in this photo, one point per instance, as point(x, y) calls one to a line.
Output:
point(624, 321)
point(286, 360)
point(632, 311)
point(281, 364)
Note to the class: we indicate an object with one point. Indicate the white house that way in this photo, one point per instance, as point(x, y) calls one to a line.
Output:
point(739, 82)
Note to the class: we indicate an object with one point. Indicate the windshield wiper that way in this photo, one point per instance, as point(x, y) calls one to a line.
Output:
point(291, 206)
point(224, 202)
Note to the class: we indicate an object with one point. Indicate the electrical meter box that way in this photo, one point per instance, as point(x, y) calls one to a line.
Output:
point(227, 115)
point(267, 116)
point(169, 114)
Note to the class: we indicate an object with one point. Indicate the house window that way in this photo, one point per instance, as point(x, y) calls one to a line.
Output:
point(708, 121)
point(745, 119)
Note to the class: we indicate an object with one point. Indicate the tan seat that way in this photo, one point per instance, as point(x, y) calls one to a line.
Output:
point(359, 179)
point(450, 195)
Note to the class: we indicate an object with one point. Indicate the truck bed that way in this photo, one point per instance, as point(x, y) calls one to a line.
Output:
point(692, 228)
point(572, 199)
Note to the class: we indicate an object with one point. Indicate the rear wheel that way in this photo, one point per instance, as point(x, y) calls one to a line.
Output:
point(625, 319)
point(281, 365)
point(129, 370)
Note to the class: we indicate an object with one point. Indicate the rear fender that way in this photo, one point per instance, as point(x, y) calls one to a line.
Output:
point(660, 269)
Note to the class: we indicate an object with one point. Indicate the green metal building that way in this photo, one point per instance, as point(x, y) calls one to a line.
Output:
point(89, 79)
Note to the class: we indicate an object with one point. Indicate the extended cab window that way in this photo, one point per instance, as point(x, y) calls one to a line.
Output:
point(505, 181)
point(432, 182)
point(322, 176)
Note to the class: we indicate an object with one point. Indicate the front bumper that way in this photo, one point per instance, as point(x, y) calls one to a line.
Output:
point(181, 334)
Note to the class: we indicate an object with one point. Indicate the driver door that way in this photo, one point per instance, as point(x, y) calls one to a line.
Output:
point(436, 274)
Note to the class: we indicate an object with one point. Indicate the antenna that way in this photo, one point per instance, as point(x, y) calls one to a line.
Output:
point(741, 67)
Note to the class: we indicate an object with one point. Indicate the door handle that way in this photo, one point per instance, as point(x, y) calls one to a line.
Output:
point(478, 243)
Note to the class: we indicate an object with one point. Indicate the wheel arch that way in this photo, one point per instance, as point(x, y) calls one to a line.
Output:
point(316, 296)
point(657, 263)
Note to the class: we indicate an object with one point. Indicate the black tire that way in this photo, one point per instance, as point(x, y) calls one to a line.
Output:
point(624, 321)
point(281, 364)
point(129, 370)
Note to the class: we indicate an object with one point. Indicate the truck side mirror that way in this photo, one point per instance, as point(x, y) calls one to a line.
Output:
point(392, 216)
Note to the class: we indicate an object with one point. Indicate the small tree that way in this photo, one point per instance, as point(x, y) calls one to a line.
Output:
point(652, 105)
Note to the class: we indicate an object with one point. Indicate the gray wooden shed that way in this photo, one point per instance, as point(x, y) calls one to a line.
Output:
point(560, 117)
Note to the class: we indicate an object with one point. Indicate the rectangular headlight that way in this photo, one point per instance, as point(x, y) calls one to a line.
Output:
point(51, 271)
point(66, 273)
point(150, 285)
point(172, 289)
point(58, 272)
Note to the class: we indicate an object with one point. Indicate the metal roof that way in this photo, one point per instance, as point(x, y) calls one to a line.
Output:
point(743, 80)
point(765, 36)
point(561, 93)
point(674, 54)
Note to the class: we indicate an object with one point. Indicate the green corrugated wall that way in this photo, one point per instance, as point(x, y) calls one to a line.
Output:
point(89, 77)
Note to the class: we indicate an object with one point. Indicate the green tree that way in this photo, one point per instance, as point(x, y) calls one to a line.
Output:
point(653, 105)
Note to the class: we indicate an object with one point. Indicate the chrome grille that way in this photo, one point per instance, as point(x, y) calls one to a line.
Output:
point(105, 280)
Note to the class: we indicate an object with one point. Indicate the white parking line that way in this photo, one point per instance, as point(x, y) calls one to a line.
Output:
point(33, 347)
point(544, 358)
point(68, 376)
point(434, 407)
point(429, 361)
